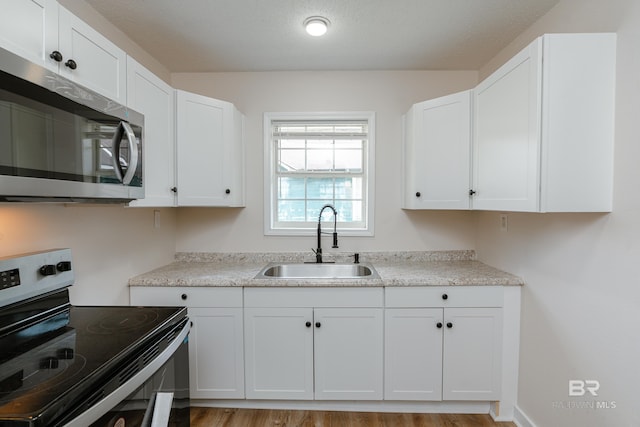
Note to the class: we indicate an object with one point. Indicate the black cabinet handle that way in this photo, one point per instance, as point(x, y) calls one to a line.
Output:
point(227, 191)
point(71, 64)
point(418, 194)
point(449, 325)
point(56, 56)
point(439, 325)
point(318, 324)
point(183, 296)
point(445, 296)
point(308, 324)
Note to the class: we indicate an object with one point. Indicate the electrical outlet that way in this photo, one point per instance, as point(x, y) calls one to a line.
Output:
point(504, 222)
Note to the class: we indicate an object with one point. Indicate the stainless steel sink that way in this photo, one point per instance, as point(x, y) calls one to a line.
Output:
point(318, 271)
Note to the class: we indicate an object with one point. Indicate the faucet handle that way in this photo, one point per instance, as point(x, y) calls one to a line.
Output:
point(335, 240)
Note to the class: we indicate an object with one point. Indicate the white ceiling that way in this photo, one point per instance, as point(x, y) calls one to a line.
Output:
point(267, 35)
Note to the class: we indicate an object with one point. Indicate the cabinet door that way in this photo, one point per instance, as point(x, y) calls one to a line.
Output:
point(279, 353)
point(100, 65)
point(472, 354)
point(348, 353)
point(209, 151)
point(151, 96)
point(506, 150)
point(216, 358)
point(29, 28)
point(437, 153)
point(413, 354)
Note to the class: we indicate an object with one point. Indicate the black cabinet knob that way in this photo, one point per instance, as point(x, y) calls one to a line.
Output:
point(174, 189)
point(48, 270)
point(183, 296)
point(308, 324)
point(449, 325)
point(472, 192)
point(227, 191)
point(418, 194)
point(56, 56)
point(71, 64)
point(63, 266)
point(439, 325)
point(445, 296)
point(318, 324)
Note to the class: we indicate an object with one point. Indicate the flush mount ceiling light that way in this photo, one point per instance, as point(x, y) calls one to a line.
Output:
point(316, 25)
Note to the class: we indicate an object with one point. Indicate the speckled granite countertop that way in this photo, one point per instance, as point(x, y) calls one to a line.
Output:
point(436, 268)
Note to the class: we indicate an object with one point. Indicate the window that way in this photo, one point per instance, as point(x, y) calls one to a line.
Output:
point(314, 159)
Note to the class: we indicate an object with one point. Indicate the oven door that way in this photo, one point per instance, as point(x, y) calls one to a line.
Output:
point(160, 396)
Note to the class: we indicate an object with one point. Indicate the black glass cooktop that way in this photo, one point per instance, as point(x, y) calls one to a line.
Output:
point(48, 365)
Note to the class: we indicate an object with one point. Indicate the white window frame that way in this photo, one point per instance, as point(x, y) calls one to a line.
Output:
point(270, 184)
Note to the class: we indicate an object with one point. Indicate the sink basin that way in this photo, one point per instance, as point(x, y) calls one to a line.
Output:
point(318, 271)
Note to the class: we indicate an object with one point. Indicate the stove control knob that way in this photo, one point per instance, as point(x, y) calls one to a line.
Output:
point(64, 266)
point(48, 270)
point(65, 353)
point(49, 363)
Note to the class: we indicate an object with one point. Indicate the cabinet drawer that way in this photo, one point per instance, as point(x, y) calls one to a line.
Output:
point(444, 296)
point(313, 297)
point(186, 296)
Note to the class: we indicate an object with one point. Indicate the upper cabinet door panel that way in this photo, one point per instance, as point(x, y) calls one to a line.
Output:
point(29, 28)
point(437, 151)
point(210, 151)
point(151, 96)
point(99, 64)
point(506, 139)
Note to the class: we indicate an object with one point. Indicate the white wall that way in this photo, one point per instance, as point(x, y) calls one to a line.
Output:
point(389, 94)
point(581, 302)
point(109, 244)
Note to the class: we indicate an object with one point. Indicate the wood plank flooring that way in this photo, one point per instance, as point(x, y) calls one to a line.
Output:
point(223, 417)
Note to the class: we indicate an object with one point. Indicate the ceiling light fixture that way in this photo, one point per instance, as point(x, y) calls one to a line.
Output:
point(316, 25)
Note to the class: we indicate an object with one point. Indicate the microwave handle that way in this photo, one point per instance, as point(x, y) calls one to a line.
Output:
point(125, 129)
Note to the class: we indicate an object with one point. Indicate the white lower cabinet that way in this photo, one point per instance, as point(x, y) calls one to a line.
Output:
point(437, 351)
point(310, 352)
point(216, 347)
point(279, 353)
point(472, 349)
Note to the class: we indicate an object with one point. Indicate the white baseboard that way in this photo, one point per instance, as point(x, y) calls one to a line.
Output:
point(520, 418)
point(352, 406)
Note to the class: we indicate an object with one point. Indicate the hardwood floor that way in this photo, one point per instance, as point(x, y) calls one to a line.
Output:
point(222, 417)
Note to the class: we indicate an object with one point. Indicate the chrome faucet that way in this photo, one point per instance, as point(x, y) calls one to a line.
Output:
point(318, 250)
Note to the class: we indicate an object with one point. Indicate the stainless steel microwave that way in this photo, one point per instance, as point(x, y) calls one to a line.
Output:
point(61, 142)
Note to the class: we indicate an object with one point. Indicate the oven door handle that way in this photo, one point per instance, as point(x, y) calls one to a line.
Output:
point(162, 403)
point(102, 407)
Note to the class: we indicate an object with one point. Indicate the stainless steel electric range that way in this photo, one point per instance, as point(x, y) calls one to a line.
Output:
point(65, 365)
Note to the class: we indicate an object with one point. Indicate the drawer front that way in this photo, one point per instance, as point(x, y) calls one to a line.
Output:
point(186, 296)
point(313, 297)
point(444, 296)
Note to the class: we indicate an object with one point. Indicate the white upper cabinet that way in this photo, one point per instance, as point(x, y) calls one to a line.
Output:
point(437, 153)
point(210, 152)
point(29, 28)
point(49, 35)
point(91, 59)
point(544, 128)
point(151, 96)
